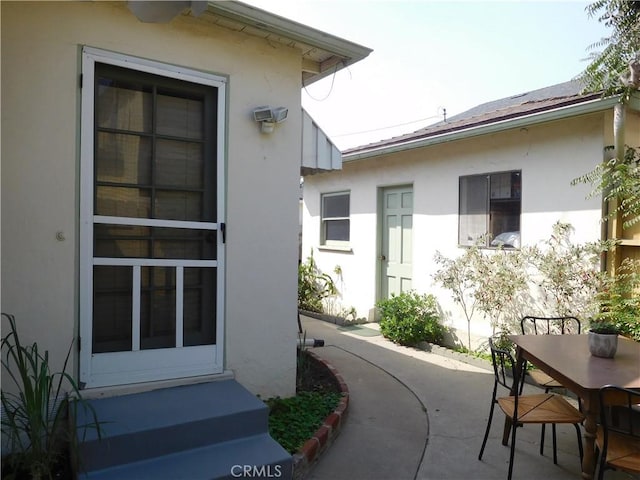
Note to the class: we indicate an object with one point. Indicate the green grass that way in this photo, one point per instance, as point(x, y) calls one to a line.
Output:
point(292, 421)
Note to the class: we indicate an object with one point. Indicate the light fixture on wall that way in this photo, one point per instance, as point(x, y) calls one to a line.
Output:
point(268, 117)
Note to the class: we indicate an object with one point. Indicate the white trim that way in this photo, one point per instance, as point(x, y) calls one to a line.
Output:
point(153, 262)
point(591, 106)
point(151, 66)
point(117, 368)
point(135, 310)
point(150, 365)
point(179, 306)
point(153, 222)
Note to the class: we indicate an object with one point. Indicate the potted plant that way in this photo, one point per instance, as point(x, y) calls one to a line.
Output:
point(603, 338)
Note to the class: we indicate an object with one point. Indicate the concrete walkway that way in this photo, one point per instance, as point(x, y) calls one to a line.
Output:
point(421, 415)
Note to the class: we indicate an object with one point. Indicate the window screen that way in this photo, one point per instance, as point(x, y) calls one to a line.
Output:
point(489, 209)
point(335, 218)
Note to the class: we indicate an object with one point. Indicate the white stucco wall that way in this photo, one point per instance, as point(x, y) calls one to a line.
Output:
point(41, 45)
point(549, 155)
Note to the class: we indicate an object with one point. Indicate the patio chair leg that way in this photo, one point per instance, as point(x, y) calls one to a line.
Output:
point(512, 451)
point(486, 432)
point(580, 449)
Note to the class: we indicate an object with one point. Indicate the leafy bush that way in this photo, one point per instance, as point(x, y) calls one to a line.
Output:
point(313, 286)
point(620, 302)
point(410, 318)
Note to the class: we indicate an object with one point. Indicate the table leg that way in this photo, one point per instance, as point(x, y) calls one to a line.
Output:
point(590, 410)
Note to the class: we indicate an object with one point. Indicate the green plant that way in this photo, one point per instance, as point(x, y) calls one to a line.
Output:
point(313, 286)
point(458, 275)
point(38, 421)
point(294, 420)
point(566, 274)
point(493, 282)
point(409, 318)
point(609, 69)
point(555, 277)
point(619, 301)
point(603, 327)
point(618, 181)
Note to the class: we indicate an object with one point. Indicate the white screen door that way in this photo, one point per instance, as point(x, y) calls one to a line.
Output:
point(152, 237)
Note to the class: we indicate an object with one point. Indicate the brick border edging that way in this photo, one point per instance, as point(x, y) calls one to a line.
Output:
point(328, 431)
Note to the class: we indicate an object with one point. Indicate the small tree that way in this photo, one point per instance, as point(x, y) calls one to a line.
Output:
point(459, 276)
point(501, 280)
point(567, 274)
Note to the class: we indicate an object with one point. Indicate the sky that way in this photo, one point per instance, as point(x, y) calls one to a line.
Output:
point(430, 56)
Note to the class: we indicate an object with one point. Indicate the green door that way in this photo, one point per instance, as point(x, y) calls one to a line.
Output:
point(396, 240)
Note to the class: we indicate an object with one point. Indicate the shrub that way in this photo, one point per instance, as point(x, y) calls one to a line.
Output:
point(313, 286)
point(410, 318)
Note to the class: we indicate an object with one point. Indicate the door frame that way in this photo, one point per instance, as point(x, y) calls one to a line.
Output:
point(110, 363)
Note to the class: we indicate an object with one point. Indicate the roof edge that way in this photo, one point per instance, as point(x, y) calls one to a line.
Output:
point(350, 52)
point(582, 108)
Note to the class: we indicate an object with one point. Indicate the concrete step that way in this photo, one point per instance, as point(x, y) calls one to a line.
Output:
point(251, 457)
point(151, 430)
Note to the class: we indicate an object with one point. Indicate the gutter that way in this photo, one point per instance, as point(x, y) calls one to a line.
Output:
point(591, 106)
point(269, 22)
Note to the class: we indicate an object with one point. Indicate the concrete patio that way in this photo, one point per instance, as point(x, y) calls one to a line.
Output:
point(415, 414)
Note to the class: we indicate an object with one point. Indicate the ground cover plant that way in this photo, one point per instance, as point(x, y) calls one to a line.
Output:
point(294, 420)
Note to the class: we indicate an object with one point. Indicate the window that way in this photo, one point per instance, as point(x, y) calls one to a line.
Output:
point(335, 219)
point(489, 209)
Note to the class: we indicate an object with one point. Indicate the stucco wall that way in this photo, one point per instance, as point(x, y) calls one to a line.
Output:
point(41, 45)
point(549, 155)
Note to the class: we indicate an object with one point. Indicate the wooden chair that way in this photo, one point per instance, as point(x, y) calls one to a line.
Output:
point(522, 409)
point(618, 438)
point(548, 326)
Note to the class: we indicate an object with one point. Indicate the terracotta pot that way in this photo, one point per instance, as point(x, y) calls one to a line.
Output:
point(603, 344)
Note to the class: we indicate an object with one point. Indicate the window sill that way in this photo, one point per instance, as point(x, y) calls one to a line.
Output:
point(335, 248)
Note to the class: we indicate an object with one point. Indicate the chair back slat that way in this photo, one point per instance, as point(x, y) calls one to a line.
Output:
point(550, 325)
point(619, 410)
point(504, 366)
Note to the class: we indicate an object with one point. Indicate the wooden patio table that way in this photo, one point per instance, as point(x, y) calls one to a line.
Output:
point(566, 358)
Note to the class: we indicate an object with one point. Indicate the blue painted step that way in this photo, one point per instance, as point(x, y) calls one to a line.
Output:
point(191, 432)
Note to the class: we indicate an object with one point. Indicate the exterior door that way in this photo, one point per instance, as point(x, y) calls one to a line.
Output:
point(396, 240)
point(151, 222)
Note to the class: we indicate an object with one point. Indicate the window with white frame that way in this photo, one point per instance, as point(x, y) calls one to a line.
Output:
point(335, 219)
point(489, 209)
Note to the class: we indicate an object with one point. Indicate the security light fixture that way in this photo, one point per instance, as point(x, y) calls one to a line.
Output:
point(268, 117)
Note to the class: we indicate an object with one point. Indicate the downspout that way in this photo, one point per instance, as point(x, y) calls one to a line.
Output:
point(619, 118)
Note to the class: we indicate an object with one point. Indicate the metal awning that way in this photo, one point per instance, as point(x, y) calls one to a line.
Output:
point(318, 152)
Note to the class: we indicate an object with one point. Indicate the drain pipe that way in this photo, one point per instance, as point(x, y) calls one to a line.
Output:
point(307, 342)
point(310, 342)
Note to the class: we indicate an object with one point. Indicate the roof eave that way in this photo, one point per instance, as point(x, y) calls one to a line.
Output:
point(584, 108)
point(343, 52)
